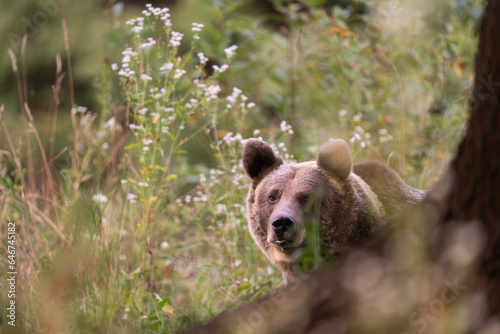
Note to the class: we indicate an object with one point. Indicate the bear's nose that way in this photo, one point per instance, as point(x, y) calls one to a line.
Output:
point(281, 224)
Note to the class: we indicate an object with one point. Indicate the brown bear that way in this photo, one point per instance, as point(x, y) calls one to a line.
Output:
point(348, 201)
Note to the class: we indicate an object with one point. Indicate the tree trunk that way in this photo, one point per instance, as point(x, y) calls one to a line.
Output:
point(438, 273)
point(474, 195)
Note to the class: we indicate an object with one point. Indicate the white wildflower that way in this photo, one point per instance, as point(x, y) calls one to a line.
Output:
point(359, 129)
point(197, 27)
point(167, 67)
point(165, 15)
point(131, 197)
point(100, 198)
point(357, 117)
point(286, 127)
point(203, 59)
point(234, 95)
point(179, 73)
point(149, 43)
point(126, 72)
point(136, 29)
point(230, 51)
point(220, 69)
point(384, 136)
point(236, 91)
point(175, 38)
point(211, 92)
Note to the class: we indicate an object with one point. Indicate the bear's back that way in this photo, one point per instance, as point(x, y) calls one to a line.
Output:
point(395, 195)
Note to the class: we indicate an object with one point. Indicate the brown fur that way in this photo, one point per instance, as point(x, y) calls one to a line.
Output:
point(395, 195)
point(347, 202)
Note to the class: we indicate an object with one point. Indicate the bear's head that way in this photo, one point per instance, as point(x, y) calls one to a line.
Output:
point(284, 198)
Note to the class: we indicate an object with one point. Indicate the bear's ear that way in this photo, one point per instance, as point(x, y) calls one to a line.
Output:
point(258, 157)
point(335, 157)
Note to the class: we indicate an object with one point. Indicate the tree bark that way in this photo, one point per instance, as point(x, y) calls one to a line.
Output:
point(475, 192)
point(438, 272)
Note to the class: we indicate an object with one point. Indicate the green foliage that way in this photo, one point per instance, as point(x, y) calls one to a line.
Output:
point(135, 219)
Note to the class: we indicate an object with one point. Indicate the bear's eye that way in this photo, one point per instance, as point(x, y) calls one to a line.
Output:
point(272, 198)
point(304, 199)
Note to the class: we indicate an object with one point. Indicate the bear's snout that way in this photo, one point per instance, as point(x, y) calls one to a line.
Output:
point(283, 232)
point(281, 225)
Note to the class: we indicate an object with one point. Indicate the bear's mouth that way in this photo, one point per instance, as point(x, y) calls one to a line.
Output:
point(283, 245)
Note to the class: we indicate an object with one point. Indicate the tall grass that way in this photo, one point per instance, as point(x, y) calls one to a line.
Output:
point(112, 247)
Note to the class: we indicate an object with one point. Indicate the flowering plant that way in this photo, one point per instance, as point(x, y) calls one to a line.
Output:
point(166, 91)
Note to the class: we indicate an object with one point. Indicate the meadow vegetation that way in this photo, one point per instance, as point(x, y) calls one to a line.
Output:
point(135, 222)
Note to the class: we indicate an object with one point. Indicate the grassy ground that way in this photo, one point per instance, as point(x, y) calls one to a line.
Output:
point(133, 220)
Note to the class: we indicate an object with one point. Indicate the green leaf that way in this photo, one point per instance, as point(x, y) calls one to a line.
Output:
point(167, 308)
point(155, 326)
point(128, 147)
point(171, 177)
point(160, 168)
